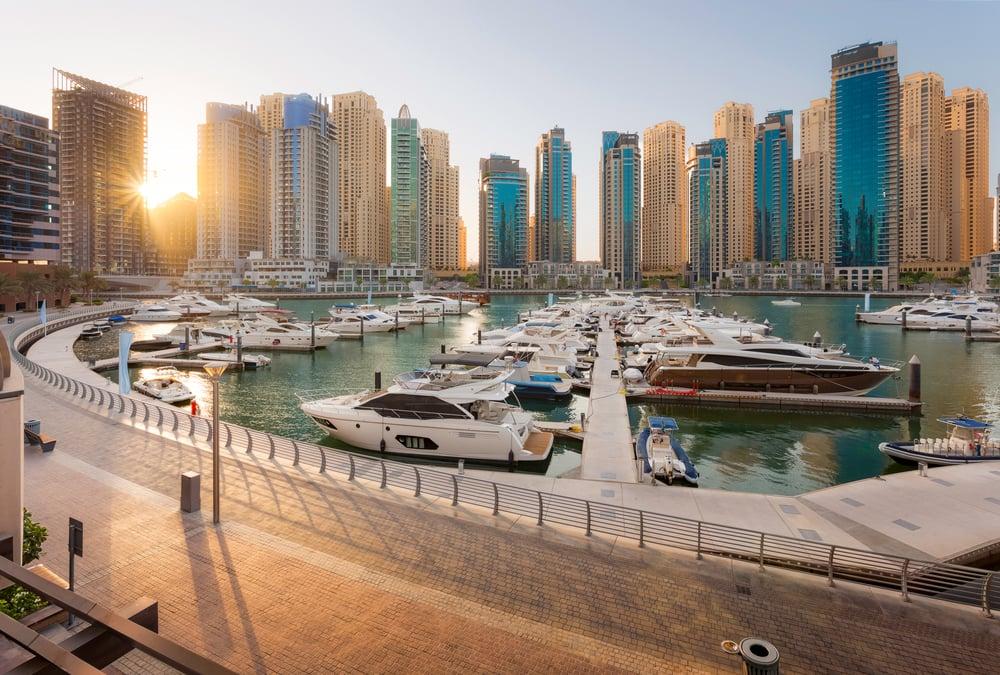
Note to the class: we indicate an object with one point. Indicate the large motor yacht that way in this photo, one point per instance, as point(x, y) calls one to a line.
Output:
point(437, 415)
point(195, 305)
point(266, 333)
point(980, 319)
point(155, 313)
point(349, 320)
point(762, 366)
point(530, 379)
point(442, 304)
point(244, 304)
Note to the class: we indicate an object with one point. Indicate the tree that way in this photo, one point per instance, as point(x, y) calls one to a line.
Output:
point(272, 283)
point(726, 283)
point(63, 280)
point(541, 281)
point(809, 282)
point(33, 284)
point(585, 281)
point(993, 282)
point(842, 283)
point(781, 283)
point(518, 283)
point(562, 282)
point(89, 282)
point(9, 285)
point(754, 282)
point(472, 280)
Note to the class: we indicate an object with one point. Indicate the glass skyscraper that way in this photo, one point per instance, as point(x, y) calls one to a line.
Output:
point(408, 211)
point(555, 231)
point(503, 215)
point(864, 120)
point(621, 190)
point(708, 173)
point(772, 193)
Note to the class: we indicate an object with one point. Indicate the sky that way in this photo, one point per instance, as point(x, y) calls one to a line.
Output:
point(495, 76)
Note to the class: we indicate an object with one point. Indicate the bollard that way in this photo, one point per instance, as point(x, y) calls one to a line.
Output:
point(378, 380)
point(760, 657)
point(903, 318)
point(914, 379)
point(362, 328)
point(461, 467)
point(239, 351)
point(583, 421)
point(817, 339)
point(187, 337)
point(479, 336)
point(857, 313)
point(442, 349)
point(312, 330)
point(190, 491)
point(968, 326)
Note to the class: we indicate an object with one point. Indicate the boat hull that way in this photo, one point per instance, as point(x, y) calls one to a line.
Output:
point(905, 454)
point(763, 379)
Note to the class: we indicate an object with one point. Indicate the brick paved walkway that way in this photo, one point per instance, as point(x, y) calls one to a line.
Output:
point(311, 573)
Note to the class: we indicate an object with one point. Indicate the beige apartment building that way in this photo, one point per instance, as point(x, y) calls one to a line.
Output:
point(734, 122)
point(665, 199)
point(442, 195)
point(364, 212)
point(967, 111)
point(463, 251)
point(812, 238)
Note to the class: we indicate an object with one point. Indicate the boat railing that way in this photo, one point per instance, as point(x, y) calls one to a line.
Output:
point(910, 577)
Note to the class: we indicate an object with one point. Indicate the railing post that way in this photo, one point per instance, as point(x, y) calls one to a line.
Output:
point(588, 517)
point(382, 485)
point(322, 460)
point(111, 401)
point(454, 492)
point(92, 390)
point(135, 408)
point(697, 550)
point(250, 442)
point(295, 447)
point(903, 582)
point(540, 508)
point(761, 551)
point(121, 405)
point(270, 452)
point(642, 530)
point(159, 416)
point(145, 417)
point(987, 582)
point(229, 436)
point(191, 420)
point(350, 476)
point(496, 500)
point(416, 473)
point(829, 566)
point(177, 420)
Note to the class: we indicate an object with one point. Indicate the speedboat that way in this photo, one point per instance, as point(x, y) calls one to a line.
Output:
point(349, 320)
point(726, 363)
point(165, 385)
point(437, 415)
point(195, 304)
point(91, 332)
point(155, 313)
point(967, 443)
point(250, 361)
point(661, 455)
point(787, 302)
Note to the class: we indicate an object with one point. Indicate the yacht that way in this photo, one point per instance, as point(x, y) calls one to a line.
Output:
point(348, 320)
point(250, 361)
point(91, 332)
point(266, 333)
point(726, 363)
point(195, 304)
point(661, 455)
point(444, 304)
point(530, 380)
point(155, 313)
point(981, 319)
point(437, 415)
point(196, 334)
point(244, 304)
point(164, 385)
point(377, 311)
point(787, 302)
point(967, 443)
point(416, 314)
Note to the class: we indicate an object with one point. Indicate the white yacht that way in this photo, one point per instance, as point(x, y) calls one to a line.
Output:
point(978, 320)
point(155, 313)
point(416, 314)
point(447, 305)
point(437, 415)
point(244, 304)
point(266, 333)
point(164, 385)
point(195, 304)
point(350, 320)
point(250, 361)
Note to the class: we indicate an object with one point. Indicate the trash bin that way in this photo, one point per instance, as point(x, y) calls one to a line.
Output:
point(34, 426)
point(760, 657)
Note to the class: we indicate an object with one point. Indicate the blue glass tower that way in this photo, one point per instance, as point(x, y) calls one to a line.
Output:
point(621, 190)
point(709, 215)
point(864, 120)
point(772, 189)
point(555, 231)
point(503, 215)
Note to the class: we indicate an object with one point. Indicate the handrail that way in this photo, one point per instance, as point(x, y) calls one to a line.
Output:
point(909, 576)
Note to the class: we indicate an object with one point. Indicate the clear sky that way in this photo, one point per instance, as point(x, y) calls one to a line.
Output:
point(493, 75)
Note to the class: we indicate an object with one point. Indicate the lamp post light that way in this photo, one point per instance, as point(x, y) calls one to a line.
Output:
point(215, 371)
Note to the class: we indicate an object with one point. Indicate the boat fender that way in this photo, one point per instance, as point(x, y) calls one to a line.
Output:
point(381, 445)
point(277, 341)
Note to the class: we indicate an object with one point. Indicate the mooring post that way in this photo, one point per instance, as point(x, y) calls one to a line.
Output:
point(442, 349)
point(968, 326)
point(817, 339)
point(378, 380)
point(915, 379)
point(903, 315)
point(857, 313)
point(479, 336)
point(312, 330)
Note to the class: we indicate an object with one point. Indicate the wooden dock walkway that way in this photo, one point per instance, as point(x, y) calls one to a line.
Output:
point(160, 357)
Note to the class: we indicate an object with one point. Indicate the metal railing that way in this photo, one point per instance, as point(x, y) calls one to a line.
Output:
point(908, 576)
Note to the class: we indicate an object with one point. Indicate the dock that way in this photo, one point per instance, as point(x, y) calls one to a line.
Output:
point(570, 430)
point(983, 337)
point(608, 452)
point(162, 357)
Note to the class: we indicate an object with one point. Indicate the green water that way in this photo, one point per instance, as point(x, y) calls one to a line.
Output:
point(746, 450)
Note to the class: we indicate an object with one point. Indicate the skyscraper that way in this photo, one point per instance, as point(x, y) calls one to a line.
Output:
point(29, 189)
point(864, 123)
point(409, 210)
point(442, 201)
point(926, 218)
point(364, 213)
point(621, 190)
point(708, 173)
point(734, 122)
point(967, 112)
point(172, 229)
point(812, 237)
point(463, 253)
point(102, 170)
point(503, 215)
point(664, 199)
point(555, 227)
point(773, 192)
point(232, 183)
point(303, 164)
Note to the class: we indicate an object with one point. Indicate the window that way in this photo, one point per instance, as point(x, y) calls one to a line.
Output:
point(416, 442)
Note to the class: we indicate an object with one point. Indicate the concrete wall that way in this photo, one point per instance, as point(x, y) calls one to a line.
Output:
point(12, 456)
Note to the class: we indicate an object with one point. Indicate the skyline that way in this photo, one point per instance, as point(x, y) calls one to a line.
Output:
point(576, 82)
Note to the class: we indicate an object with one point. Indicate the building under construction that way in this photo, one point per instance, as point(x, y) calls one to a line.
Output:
point(102, 168)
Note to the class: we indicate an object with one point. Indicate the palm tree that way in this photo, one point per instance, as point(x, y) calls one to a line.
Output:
point(63, 280)
point(9, 286)
point(90, 282)
point(34, 284)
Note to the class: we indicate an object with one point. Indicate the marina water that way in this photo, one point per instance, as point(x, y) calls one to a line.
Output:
point(736, 449)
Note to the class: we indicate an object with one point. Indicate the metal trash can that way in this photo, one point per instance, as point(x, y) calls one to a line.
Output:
point(760, 657)
point(34, 426)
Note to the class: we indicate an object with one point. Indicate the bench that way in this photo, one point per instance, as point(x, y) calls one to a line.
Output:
point(48, 443)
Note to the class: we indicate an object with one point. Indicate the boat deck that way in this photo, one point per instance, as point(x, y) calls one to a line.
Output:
point(538, 442)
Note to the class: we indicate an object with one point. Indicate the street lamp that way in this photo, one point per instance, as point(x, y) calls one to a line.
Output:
point(215, 371)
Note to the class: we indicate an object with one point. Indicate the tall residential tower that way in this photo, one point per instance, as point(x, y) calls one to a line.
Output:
point(773, 196)
point(708, 173)
point(443, 246)
point(664, 199)
point(967, 112)
point(734, 123)
point(503, 216)
point(621, 190)
point(555, 227)
point(812, 237)
point(409, 209)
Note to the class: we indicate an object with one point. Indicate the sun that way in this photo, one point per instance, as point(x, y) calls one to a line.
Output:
point(156, 191)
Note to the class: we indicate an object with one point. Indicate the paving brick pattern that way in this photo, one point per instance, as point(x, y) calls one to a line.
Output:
point(312, 573)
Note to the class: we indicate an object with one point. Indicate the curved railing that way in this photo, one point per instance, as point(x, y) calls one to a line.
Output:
point(908, 576)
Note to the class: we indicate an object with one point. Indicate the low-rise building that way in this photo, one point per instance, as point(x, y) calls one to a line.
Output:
point(862, 278)
point(783, 275)
point(579, 274)
point(210, 275)
point(984, 272)
point(361, 278)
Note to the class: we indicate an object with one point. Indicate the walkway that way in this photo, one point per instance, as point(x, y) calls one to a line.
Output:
point(607, 446)
point(311, 573)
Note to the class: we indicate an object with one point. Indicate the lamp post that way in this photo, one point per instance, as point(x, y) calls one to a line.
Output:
point(215, 371)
